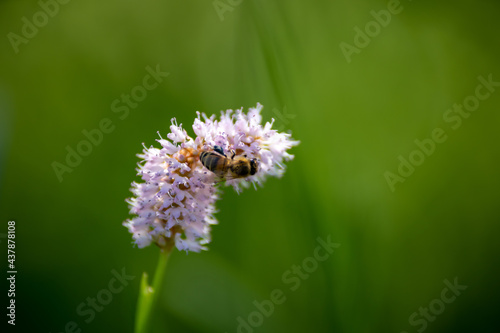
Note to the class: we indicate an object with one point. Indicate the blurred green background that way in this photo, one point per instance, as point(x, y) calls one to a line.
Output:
point(353, 120)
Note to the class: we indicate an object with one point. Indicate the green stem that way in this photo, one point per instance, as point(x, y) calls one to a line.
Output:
point(148, 296)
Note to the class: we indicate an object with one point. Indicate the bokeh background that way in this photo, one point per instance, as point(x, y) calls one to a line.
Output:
point(353, 120)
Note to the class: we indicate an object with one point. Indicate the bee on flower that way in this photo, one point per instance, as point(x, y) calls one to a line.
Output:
point(237, 166)
point(175, 202)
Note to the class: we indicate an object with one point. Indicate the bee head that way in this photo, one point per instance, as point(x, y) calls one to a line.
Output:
point(254, 165)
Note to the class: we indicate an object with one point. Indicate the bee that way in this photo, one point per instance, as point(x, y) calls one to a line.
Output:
point(228, 168)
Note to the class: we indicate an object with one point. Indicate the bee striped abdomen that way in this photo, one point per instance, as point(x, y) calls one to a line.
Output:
point(213, 162)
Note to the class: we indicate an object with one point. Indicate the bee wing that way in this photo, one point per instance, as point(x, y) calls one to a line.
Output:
point(231, 177)
point(217, 179)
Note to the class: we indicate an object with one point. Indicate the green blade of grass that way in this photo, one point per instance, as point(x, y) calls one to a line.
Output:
point(148, 295)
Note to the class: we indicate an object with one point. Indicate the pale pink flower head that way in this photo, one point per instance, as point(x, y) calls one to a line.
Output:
point(175, 203)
